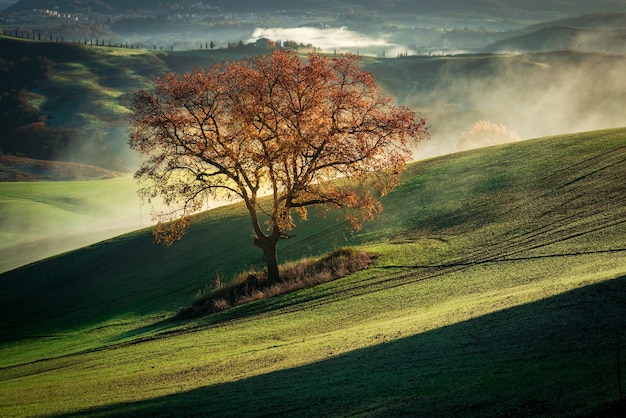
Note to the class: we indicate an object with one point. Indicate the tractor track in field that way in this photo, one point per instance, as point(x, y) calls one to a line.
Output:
point(568, 211)
point(571, 215)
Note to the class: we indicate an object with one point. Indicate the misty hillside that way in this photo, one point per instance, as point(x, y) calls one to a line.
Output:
point(27, 169)
point(601, 32)
point(564, 38)
point(69, 102)
point(599, 21)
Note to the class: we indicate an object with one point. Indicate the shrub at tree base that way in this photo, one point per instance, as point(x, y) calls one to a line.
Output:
point(251, 286)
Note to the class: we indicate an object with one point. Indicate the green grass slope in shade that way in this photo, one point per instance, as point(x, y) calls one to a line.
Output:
point(500, 290)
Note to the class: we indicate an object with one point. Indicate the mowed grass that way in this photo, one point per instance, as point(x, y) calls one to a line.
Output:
point(499, 290)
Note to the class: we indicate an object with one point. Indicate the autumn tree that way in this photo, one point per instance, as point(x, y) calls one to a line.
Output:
point(485, 134)
point(301, 132)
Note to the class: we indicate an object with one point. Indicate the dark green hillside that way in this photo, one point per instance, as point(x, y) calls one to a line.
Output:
point(499, 290)
point(540, 198)
point(67, 101)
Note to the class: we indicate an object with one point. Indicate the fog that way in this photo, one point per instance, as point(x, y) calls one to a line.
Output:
point(340, 40)
point(41, 219)
point(533, 95)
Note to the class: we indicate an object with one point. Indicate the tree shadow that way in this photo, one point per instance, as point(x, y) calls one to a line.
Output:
point(553, 357)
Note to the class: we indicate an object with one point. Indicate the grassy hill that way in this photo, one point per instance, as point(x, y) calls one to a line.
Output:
point(69, 101)
point(44, 218)
point(500, 289)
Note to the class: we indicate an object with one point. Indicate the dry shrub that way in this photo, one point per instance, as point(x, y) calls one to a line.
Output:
point(250, 286)
point(221, 304)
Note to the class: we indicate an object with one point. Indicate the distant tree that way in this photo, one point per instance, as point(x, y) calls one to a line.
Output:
point(290, 44)
point(276, 124)
point(212, 45)
point(484, 134)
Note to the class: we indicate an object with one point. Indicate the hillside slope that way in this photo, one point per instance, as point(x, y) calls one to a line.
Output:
point(500, 289)
point(41, 219)
point(69, 102)
point(564, 38)
point(27, 169)
point(530, 199)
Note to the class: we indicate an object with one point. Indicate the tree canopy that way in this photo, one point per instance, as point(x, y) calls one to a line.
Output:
point(275, 125)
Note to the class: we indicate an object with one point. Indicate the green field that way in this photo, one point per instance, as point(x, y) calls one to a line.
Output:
point(41, 219)
point(500, 290)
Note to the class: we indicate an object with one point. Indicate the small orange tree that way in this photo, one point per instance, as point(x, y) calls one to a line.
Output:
point(276, 125)
point(485, 134)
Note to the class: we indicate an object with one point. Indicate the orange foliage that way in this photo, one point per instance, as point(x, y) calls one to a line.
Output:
point(485, 134)
point(274, 122)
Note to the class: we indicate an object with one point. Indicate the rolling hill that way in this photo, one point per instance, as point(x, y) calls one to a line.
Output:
point(27, 169)
point(600, 32)
point(41, 219)
point(68, 101)
point(499, 290)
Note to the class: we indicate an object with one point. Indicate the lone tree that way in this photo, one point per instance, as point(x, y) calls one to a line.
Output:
point(306, 132)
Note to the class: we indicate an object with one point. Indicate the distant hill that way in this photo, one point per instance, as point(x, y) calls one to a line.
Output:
point(601, 20)
point(27, 169)
point(506, 7)
point(68, 101)
point(603, 32)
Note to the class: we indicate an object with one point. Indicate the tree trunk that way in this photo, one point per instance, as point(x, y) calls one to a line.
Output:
point(270, 256)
